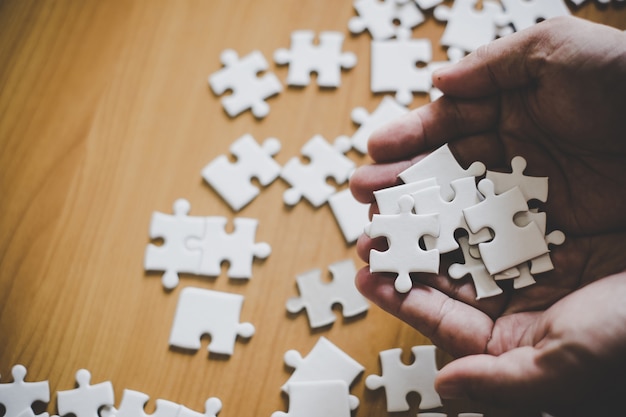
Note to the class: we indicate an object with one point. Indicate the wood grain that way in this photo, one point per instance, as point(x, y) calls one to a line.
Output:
point(105, 117)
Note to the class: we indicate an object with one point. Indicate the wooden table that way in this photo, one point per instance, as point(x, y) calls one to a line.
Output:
point(106, 117)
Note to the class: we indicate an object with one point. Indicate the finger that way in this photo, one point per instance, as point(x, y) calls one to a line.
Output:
point(456, 327)
point(369, 178)
point(365, 244)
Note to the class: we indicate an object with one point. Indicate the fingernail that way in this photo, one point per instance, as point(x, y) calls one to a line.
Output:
point(451, 391)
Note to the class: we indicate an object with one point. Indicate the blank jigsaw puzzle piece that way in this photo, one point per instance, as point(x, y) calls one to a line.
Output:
point(394, 66)
point(319, 398)
point(232, 180)
point(379, 17)
point(200, 312)
point(533, 188)
point(324, 362)
point(325, 59)
point(87, 399)
point(238, 248)
point(523, 14)
point(174, 256)
point(19, 395)
point(318, 297)
point(309, 181)
point(133, 403)
point(484, 283)
point(350, 214)
point(249, 91)
point(212, 406)
point(403, 232)
point(387, 198)
point(443, 166)
point(399, 379)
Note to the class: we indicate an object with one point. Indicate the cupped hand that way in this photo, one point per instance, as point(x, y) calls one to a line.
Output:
point(556, 95)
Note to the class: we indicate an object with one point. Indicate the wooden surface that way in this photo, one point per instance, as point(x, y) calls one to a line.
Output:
point(105, 117)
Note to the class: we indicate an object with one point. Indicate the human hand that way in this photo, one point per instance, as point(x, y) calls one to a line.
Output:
point(554, 94)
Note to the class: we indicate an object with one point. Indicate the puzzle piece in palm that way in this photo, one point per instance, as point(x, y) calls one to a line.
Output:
point(232, 180)
point(319, 398)
point(379, 17)
point(325, 59)
point(443, 166)
point(399, 379)
point(403, 232)
point(133, 403)
point(542, 263)
point(310, 180)
point(173, 256)
point(387, 110)
point(318, 296)
point(533, 188)
point(351, 215)
point(18, 396)
point(523, 14)
point(238, 248)
point(200, 312)
point(512, 245)
point(249, 91)
point(212, 407)
point(387, 198)
point(467, 27)
point(87, 399)
point(324, 362)
point(450, 213)
point(484, 282)
point(395, 66)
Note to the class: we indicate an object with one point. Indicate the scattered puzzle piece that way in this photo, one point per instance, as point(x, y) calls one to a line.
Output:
point(200, 312)
point(403, 232)
point(350, 214)
point(310, 180)
point(249, 91)
point(394, 66)
point(87, 399)
point(379, 17)
point(325, 59)
point(318, 297)
point(133, 403)
point(18, 396)
point(523, 14)
point(232, 180)
point(212, 407)
point(399, 379)
point(319, 398)
point(484, 283)
point(324, 362)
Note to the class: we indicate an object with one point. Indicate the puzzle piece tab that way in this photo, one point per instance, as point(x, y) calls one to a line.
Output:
point(87, 399)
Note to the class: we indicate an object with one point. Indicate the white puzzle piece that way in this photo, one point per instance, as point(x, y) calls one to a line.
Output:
point(249, 91)
point(133, 403)
point(325, 59)
point(523, 14)
point(200, 312)
point(387, 198)
point(317, 296)
point(512, 244)
point(87, 399)
point(428, 4)
point(443, 166)
point(238, 248)
point(324, 362)
point(399, 379)
point(350, 214)
point(533, 188)
point(309, 180)
point(19, 395)
point(379, 17)
point(404, 255)
point(394, 66)
point(484, 283)
point(30, 413)
point(231, 180)
point(174, 256)
point(319, 398)
point(212, 406)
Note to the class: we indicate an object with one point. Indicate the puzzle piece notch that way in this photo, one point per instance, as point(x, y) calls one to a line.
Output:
point(523, 14)
point(325, 59)
point(87, 399)
point(18, 396)
point(379, 17)
point(200, 312)
point(249, 91)
point(232, 180)
point(394, 66)
point(319, 398)
point(399, 379)
point(174, 256)
point(443, 166)
point(324, 362)
point(309, 180)
point(404, 254)
point(533, 188)
point(238, 248)
point(484, 283)
point(512, 245)
point(212, 406)
point(318, 297)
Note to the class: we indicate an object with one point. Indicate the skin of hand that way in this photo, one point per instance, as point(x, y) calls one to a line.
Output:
point(556, 95)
